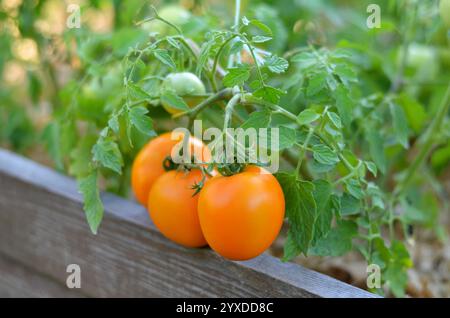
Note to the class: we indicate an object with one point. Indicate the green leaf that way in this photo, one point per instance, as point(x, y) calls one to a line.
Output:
point(338, 241)
point(400, 124)
point(236, 76)
point(376, 148)
point(307, 116)
point(81, 157)
point(164, 57)
point(107, 153)
point(258, 119)
point(291, 247)
point(371, 167)
point(326, 208)
point(173, 100)
point(335, 119)
point(261, 39)
point(140, 121)
point(287, 137)
point(317, 83)
point(276, 64)
point(300, 210)
point(93, 206)
point(323, 154)
point(269, 93)
point(354, 188)
point(344, 104)
point(258, 24)
point(349, 205)
point(415, 112)
point(397, 279)
point(113, 123)
point(138, 93)
point(304, 60)
point(345, 73)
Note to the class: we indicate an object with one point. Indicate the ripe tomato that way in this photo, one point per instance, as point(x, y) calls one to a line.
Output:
point(184, 84)
point(173, 208)
point(241, 215)
point(444, 8)
point(148, 165)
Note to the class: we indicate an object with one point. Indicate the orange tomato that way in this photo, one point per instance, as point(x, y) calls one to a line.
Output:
point(241, 215)
point(148, 165)
point(173, 208)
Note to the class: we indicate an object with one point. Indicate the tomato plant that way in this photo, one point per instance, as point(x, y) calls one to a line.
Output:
point(362, 114)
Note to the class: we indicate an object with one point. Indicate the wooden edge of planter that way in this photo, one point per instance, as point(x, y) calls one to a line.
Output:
point(42, 227)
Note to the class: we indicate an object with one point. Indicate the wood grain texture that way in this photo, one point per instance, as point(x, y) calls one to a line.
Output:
point(18, 281)
point(42, 226)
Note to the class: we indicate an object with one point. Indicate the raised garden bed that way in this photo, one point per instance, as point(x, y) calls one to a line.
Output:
point(43, 230)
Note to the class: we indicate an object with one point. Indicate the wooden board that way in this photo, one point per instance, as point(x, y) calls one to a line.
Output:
point(43, 228)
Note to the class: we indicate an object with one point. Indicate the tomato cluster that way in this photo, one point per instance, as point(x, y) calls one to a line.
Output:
point(238, 216)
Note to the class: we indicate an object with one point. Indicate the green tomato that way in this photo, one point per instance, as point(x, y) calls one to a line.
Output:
point(423, 62)
point(184, 84)
point(172, 13)
point(95, 94)
point(444, 9)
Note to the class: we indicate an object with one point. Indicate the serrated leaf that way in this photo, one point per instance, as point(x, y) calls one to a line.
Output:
point(316, 83)
point(354, 188)
point(307, 116)
point(345, 73)
point(325, 208)
point(173, 100)
point(344, 104)
point(236, 76)
point(276, 64)
point(300, 210)
point(164, 57)
point(142, 122)
point(269, 93)
point(107, 153)
point(113, 123)
point(258, 119)
point(137, 92)
point(93, 206)
point(324, 154)
point(287, 137)
point(338, 241)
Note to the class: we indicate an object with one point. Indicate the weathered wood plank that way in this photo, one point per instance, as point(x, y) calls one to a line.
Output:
point(42, 226)
point(18, 281)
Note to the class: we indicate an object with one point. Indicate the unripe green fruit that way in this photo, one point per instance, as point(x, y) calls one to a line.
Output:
point(173, 14)
point(184, 84)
